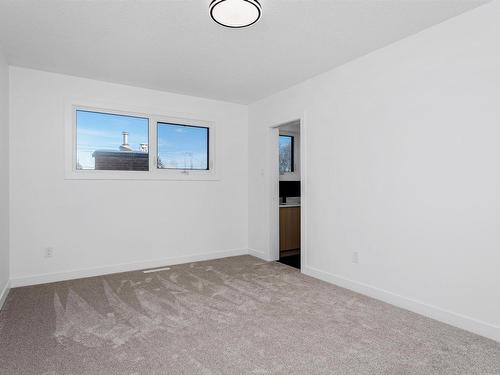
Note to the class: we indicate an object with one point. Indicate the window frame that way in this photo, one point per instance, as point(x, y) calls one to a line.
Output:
point(292, 156)
point(154, 173)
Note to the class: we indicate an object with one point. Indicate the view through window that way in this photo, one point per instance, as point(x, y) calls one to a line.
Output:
point(112, 141)
point(106, 141)
point(286, 153)
point(182, 146)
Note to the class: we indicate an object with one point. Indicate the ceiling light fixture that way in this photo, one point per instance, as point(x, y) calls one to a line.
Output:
point(235, 13)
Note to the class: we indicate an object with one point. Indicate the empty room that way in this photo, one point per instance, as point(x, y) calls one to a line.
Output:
point(249, 187)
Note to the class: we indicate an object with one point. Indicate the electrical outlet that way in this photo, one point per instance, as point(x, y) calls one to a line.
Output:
point(355, 257)
point(49, 252)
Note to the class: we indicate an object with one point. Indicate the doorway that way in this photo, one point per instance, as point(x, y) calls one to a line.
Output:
point(289, 198)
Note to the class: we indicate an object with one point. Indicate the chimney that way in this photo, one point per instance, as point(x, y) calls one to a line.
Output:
point(125, 146)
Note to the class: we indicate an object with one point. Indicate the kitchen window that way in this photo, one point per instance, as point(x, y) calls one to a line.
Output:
point(286, 146)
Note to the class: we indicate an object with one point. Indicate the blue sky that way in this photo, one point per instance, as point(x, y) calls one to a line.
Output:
point(182, 146)
point(178, 146)
point(101, 131)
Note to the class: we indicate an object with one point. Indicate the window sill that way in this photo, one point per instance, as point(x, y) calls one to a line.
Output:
point(160, 175)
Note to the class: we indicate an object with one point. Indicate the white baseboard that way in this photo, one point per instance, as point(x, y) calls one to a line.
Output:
point(124, 267)
point(260, 254)
point(4, 293)
point(434, 312)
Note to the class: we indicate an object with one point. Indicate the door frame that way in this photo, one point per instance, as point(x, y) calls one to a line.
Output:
point(273, 173)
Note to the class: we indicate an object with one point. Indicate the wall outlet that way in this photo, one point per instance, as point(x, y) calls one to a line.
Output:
point(49, 252)
point(355, 257)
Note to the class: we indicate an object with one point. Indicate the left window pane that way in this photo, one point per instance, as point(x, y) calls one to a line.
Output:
point(106, 141)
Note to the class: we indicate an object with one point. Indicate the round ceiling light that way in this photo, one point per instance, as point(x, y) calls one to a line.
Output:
point(235, 13)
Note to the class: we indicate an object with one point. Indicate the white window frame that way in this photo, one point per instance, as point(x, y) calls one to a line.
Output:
point(154, 173)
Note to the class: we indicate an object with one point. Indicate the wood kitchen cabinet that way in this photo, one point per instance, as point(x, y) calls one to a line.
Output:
point(289, 230)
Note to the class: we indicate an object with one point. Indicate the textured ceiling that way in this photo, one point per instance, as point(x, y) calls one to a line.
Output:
point(173, 45)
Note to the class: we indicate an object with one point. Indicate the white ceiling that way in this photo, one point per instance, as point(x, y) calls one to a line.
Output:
point(173, 45)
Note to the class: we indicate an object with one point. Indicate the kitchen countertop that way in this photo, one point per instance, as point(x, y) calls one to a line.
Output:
point(290, 205)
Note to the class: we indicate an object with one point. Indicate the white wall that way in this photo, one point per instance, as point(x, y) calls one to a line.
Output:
point(402, 150)
point(110, 225)
point(4, 177)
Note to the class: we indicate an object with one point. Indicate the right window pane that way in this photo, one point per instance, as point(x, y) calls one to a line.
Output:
point(286, 154)
point(182, 146)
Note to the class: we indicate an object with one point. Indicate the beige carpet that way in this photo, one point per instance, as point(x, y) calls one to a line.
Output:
point(236, 315)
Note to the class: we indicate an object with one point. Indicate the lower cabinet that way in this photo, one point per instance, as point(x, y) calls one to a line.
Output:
point(289, 229)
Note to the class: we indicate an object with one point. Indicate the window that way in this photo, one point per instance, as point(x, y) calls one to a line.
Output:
point(286, 153)
point(117, 144)
point(182, 147)
point(107, 141)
